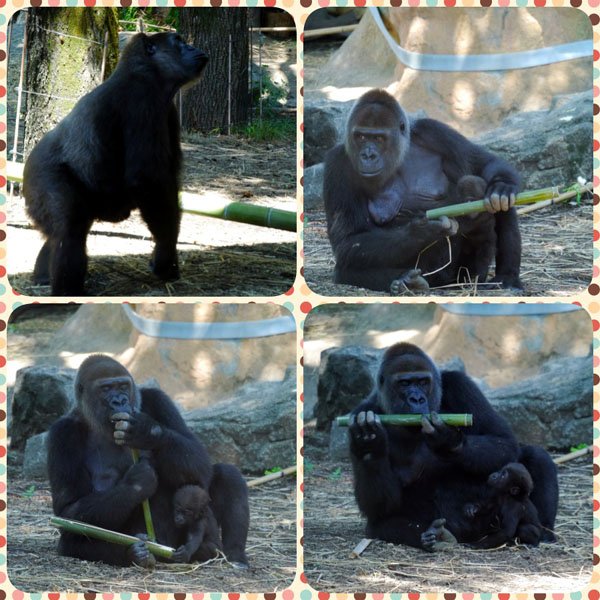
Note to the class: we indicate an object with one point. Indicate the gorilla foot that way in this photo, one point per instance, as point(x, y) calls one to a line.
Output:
point(140, 555)
point(410, 281)
point(437, 537)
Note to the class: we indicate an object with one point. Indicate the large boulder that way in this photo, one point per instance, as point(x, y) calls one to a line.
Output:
point(41, 395)
point(255, 429)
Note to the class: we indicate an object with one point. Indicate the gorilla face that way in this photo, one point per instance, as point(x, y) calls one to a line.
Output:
point(377, 138)
point(513, 479)
point(190, 503)
point(408, 381)
point(104, 387)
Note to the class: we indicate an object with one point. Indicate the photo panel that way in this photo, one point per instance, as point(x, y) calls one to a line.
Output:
point(172, 423)
point(492, 492)
point(152, 152)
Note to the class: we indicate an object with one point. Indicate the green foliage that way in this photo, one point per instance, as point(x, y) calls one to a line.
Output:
point(151, 16)
point(273, 470)
point(270, 129)
point(29, 492)
point(578, 447)
point(309, 466)
point(336, 474)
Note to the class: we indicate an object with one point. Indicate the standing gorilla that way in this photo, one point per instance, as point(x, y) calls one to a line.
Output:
point(388, 172)
point(93, 478)
point(405, 478)
point(117, 150)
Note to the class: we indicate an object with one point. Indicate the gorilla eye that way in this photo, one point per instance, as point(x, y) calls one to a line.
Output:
point(124, 387)
point(105, 388)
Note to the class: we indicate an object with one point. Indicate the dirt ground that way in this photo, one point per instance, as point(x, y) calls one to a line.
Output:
point(556, 258)
point(333, 527)
point(217, 257)
point(34, 565)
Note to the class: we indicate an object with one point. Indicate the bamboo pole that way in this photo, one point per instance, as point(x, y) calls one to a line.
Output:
point(272, 476)
point(106, 535)
point(145, 504)
point(551, 193)
point(457, 419)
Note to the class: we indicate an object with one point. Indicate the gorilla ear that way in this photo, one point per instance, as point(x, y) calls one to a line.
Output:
point(79, 390)
point(515, 490)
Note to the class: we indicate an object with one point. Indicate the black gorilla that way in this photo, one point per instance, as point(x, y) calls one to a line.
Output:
point(117, 150)
point(93, 478)
point(196, 524)
point(405, 477)
point(505, 513)
point(388, 172)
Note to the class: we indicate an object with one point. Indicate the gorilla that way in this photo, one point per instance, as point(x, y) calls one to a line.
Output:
point(379, 183)
point(506, 513)
point(406, 478)
point(117, 150)
point(194, 519)
point(94, 479)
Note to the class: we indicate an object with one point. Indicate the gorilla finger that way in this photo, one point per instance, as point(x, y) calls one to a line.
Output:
point(495, 202)
point(435, 420)
point(426, 426)
point(120, 416)
point(438, 523)
point(361, 418)
point(373, 419)
point(122, 425)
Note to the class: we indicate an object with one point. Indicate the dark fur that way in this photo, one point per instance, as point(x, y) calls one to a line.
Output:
point(376, 223)
point(199, 532)
point(93, 478)
point(504, 512)
point(117, 150)
point(406, 477)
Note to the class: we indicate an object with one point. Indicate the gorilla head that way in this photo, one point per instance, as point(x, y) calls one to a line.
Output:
point(190, 503)
point(104, 388)
point(377, 138)
point(408, 381)
point(513, 479)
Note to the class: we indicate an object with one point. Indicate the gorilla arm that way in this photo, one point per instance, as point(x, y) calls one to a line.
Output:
point(376, 487)
point(481, 449)
point(73, 493)
point(160, 428)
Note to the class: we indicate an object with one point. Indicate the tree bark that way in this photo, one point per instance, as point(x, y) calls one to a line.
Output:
point(205, 105)
point(62, 68)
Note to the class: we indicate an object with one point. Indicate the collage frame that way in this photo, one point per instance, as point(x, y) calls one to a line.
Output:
point(299, 300)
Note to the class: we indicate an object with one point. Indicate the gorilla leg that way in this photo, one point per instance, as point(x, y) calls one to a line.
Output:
point(398, 530)
point(41, 271)
point(68, 261)
point(162, 218)
point(545, 487)
point(229, 494)
point(508, 252)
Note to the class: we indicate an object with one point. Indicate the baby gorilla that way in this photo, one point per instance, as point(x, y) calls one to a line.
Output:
point(504, 513)
point(196, 523)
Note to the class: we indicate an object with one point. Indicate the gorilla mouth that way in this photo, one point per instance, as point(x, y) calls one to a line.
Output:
point(369, 173)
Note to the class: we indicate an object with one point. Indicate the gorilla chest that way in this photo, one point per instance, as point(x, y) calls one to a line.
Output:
point(106, 464)
point(422, 177)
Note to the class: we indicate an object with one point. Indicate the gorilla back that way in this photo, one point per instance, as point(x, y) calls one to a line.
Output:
point(117, 150)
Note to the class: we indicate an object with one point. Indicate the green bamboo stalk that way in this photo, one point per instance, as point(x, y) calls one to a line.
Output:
point(551, 193)
point(238, 211)
point(106, 535)
point(145, 504)
point(456, 419)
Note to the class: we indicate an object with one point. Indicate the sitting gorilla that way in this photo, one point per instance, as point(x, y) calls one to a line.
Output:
point(406, 478)
point(94, 479)
point(378, 184)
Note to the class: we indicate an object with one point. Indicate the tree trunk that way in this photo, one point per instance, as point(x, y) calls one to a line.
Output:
point(205, 105)
point(62, 68)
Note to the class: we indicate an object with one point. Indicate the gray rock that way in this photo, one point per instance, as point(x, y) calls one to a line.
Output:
point(338, 442)
point(35, 459)
point(41, 395)
point(553, 409)
point(255, 429)
point(324, 124)
point(313, 187)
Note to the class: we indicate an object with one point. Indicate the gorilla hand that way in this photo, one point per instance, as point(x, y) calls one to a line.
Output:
point(181, 555)
point(139, 554)
point(500, 197)
point(368, 436)
point(439, 437)
point(137, 430)
point(437, 537)
point(142, 480)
